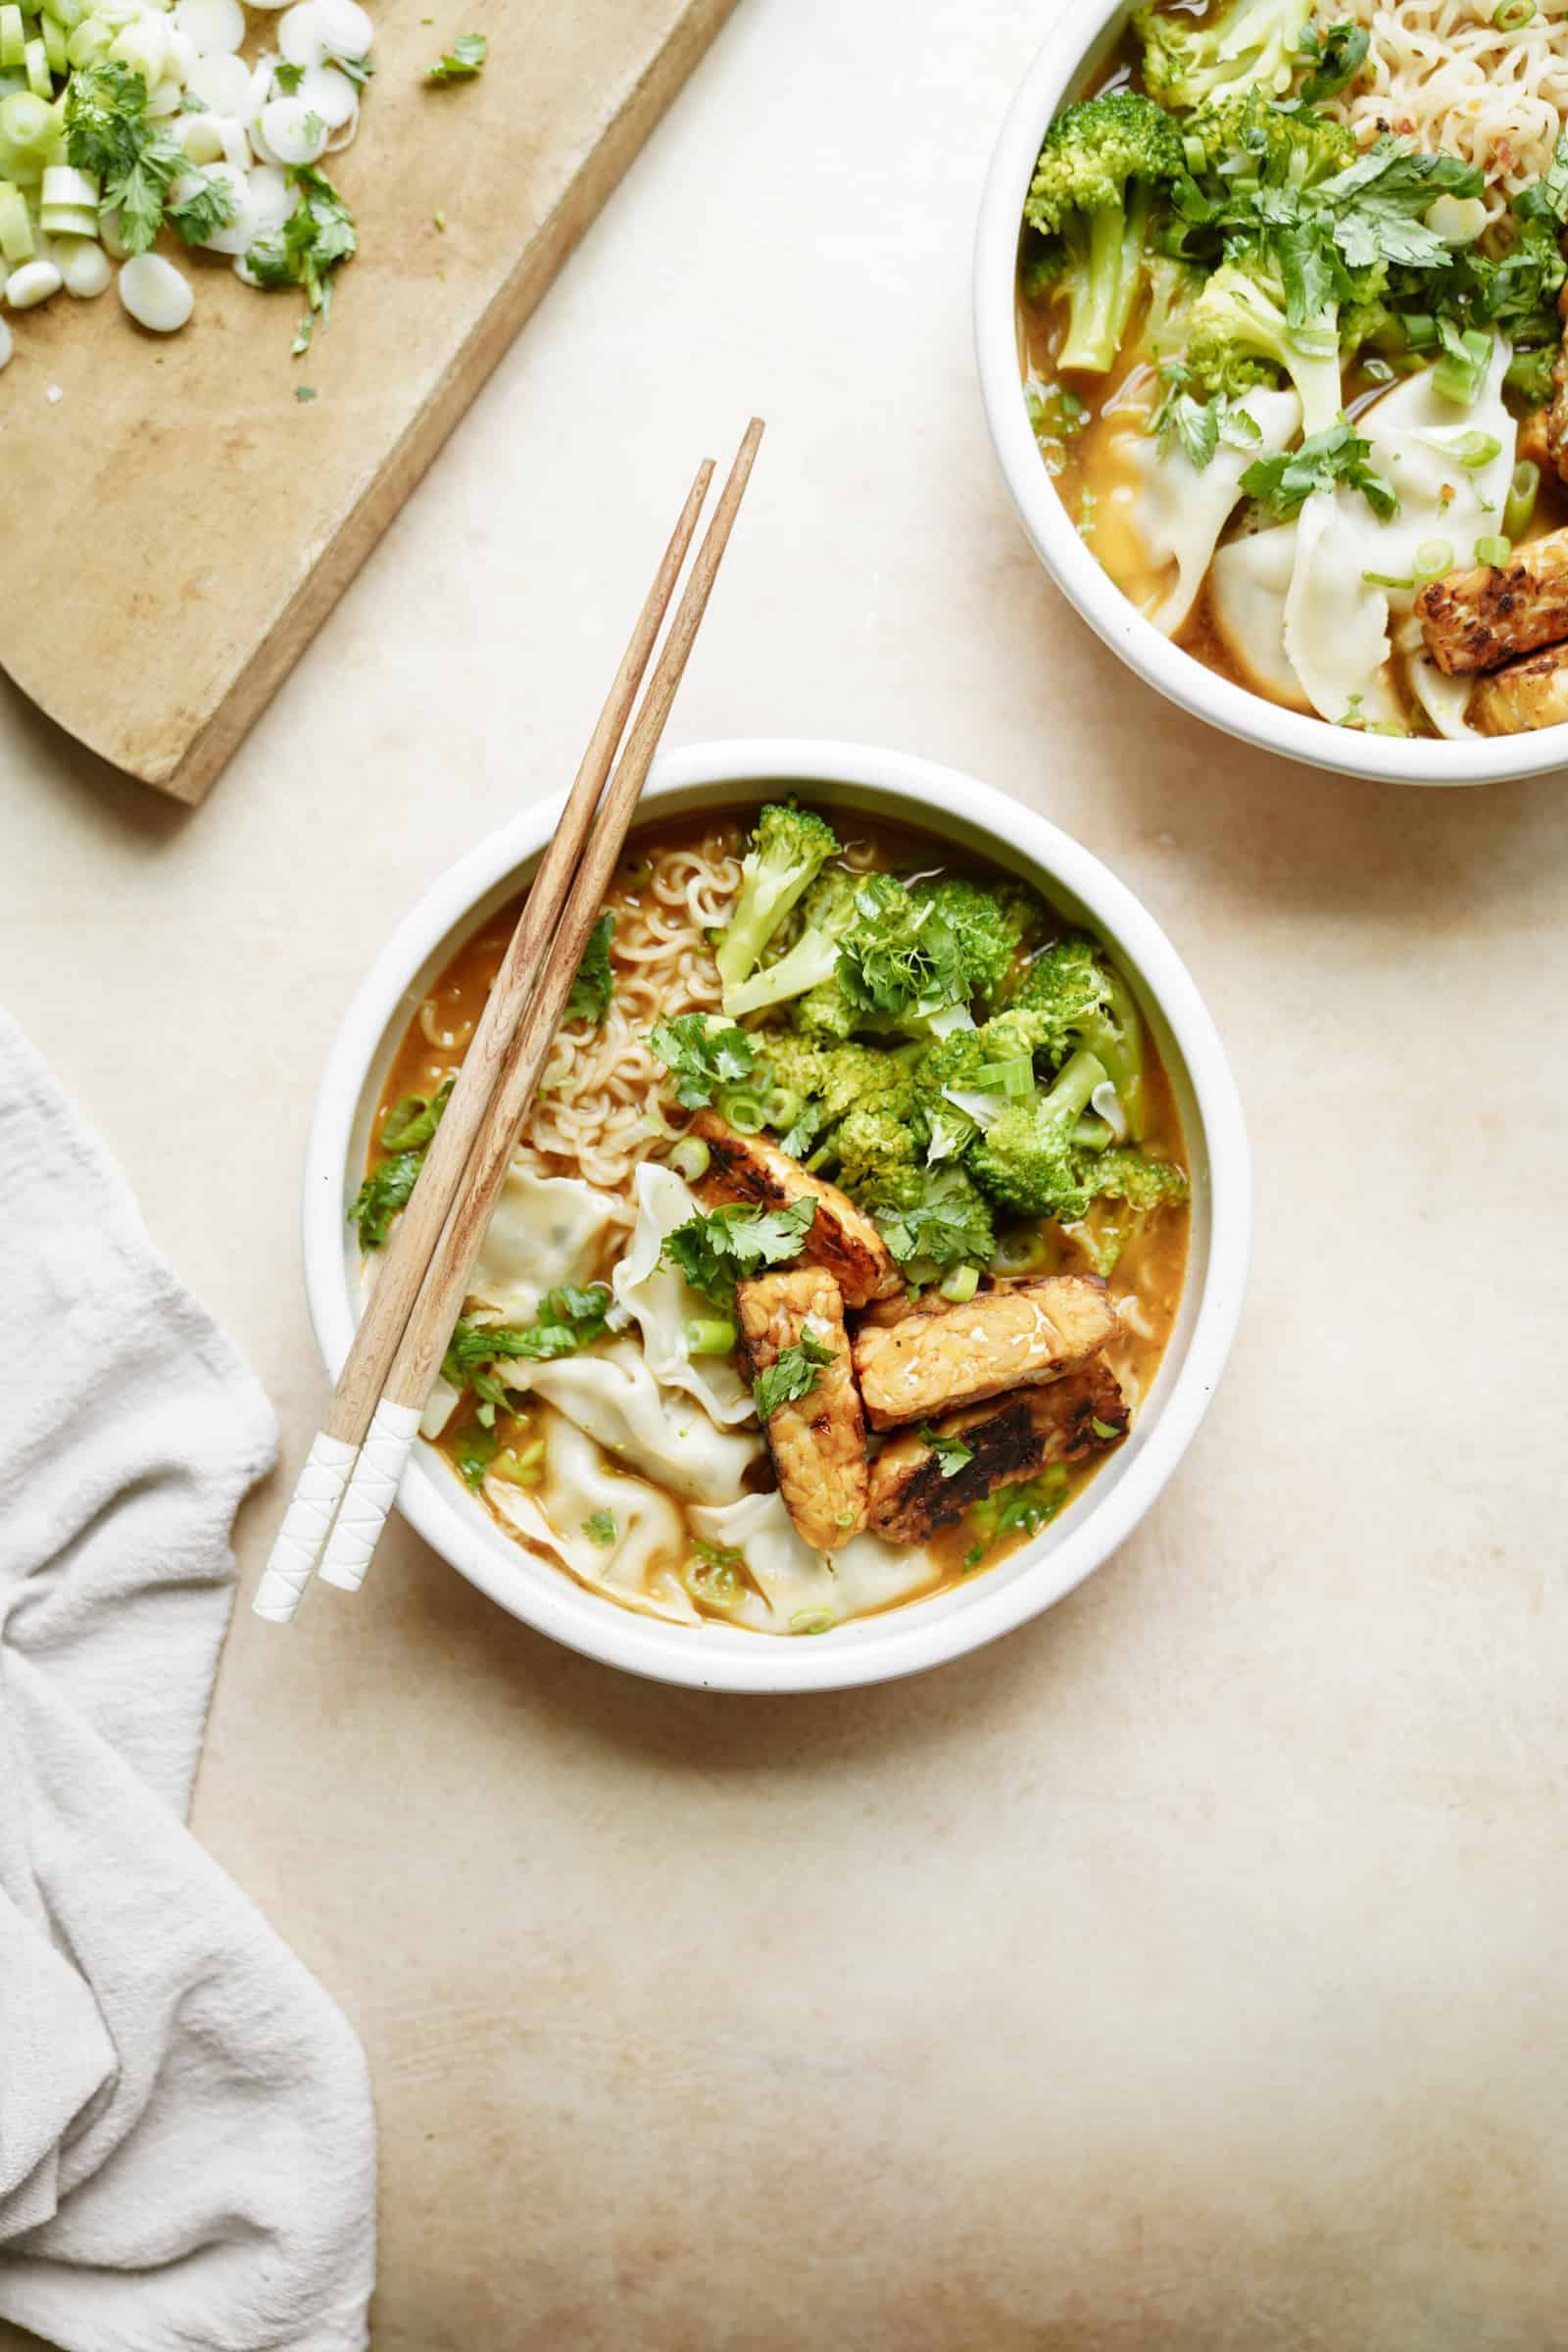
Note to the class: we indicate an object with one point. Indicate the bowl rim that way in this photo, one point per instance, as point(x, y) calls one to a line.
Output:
point(1180, 676)
point(906, 1639)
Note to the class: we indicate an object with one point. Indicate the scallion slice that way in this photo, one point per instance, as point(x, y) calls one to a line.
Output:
point(1015, 1076)
point(1386, 579)
point(1492, 548)
point(1475, 450)
point(711, 1335)
point(1523, 491)
point(1434, 560)
point(1512, 16)
point(961, 1286)
point(690, 1157)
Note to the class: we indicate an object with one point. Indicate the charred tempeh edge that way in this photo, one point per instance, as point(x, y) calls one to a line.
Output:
point(1527, 695)
point(843, 1238)
point(1481, 618)
point(1007, 1338)
point(1012, 1438)
point(819, 1444)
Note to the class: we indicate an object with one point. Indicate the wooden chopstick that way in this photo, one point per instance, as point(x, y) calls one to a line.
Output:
point(373, 1484)
point(414, 1237)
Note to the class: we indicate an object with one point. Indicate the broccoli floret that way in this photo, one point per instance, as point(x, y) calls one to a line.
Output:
point(1248, 135)
point(828, 1085)
point(826, 912)
point(1239, 45)
point(1091, 199)
point(1239, 336)
point(1026, 1158)
point(962, 1063)
point(1084, 1002)
point(992, 926)
point(1129, 1188)
point(871, 1144)
point(1529, 374)
point(787, 851)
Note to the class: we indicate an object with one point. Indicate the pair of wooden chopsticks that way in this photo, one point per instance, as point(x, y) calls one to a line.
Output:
point(350, 1480)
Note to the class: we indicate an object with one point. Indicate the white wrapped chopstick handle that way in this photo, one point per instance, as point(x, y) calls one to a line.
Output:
point(305, 1528)
point(373, 1491)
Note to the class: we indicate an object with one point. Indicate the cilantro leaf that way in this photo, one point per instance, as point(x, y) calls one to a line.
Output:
point(1285, 480)
point(288, 78)
point(462, 61)
point(1200, 426)
point(1375, 204)
point(210, 205)
point(1336, 58)
point(568, 1319)
point(106, 118)
point(715, 1250)
point(952, 1454)
point(588, 998)
point(473, 1453)
point(310, 247)
point(900, 953)
point(700, 1053)
point(405, 1133)
point(791, 1375)
point(1547, 199)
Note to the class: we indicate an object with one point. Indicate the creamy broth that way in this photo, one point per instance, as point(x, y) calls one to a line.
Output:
point(1151, 1271)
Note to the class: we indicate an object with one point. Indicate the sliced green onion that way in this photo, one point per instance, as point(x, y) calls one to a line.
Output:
point(783, 1106)
point(690, 1157)
point(1092, 1133)
point(1015, 1076)
point(1420, 330)
point(16, 229)
point(1512, 16)
point(1378, 371)
point(520, 1468)
point(13, 39)
point(812, 1621)
point(35, 62)
point(744, 1111)
point(91, 42)
point(1386, 579)
point(961, 1286)
point(1458, 375)
point(53, 37)
point(1434, 560)
point(1475, 450)
point(29, 121)
point(712, 1335)
point(1021, 1251)
point(1492, 548)
point(1523, 491)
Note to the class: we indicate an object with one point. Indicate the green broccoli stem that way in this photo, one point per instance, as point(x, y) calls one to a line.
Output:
point(812, 960)
point(1075, 1081)
point(1104, 296)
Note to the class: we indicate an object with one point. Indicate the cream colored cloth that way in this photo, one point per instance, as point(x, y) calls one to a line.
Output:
point(186, 2139)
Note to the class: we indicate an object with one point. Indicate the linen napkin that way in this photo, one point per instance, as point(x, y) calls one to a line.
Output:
point(186, 2139)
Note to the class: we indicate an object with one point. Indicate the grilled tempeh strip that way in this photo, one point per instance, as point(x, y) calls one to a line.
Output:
point(1013, 1437)
point(1528, 694)
point(1480, 619)
point(843, 1238)
point(819, 1444)
point(1007, 1338)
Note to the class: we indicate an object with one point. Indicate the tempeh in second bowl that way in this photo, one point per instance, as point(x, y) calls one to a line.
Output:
point(872, 1252)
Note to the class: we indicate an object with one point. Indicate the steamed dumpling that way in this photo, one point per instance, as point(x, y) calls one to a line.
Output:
point(641, 1564)
point(1336, 619)
point(664, 1302)
point(797, 1581)
point(1180, 511)
point(614, 1396)
point(1247, 591)
point(546, 1231)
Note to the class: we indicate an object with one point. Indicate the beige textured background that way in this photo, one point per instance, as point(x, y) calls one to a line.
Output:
point(1184, 1974)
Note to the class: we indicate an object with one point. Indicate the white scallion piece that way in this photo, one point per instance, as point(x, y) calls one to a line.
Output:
point(200, 138)
point(143, 46)
point(155, 293)
point(348, 29)
point(235, 140)
point(343, 137)
point(1108, 1103)
point(216, 27)
point(113, 242)
point(6, 345)
point(63, 185)
point(261, 85)
point(293, 133)
point(84, 267)
point(182, 55)
point(329, 94)
point(31, 284)
point(302, 35)
point(269, 198)
point(223, 85)
point(166, 99)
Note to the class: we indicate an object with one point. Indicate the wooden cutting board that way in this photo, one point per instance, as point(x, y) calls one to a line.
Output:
point(179, 523)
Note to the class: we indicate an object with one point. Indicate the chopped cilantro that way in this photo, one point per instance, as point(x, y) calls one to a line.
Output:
point(600, 1528)
point(1104, 1429)
point(305, 392)
point(568, 1319)
point(1286, 478)
point(952, 1454)
point(791, 1375)
point(473, 1453)
point(715, 1250)
point(1020, 1509)
point(588, 998)
point(701, 1052)
point(405, 1134)
point(288, 78)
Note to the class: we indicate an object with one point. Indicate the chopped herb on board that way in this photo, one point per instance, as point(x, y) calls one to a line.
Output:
point(462, 61)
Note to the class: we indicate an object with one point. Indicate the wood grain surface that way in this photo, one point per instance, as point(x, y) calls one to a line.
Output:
point(190, 521)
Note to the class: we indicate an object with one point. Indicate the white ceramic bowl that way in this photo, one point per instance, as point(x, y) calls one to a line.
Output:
point(889, 786)
point(1074, 56)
